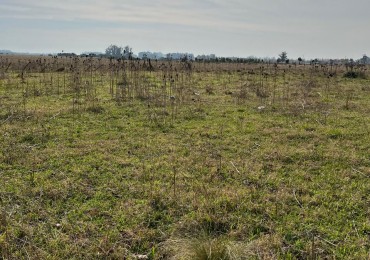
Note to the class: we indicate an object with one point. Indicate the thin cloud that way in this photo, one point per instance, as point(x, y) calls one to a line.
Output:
point(183, 13)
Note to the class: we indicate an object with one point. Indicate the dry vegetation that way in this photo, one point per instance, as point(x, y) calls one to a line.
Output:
point(115, 159)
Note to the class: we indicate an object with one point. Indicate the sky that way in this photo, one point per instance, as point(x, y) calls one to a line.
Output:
point(242, 28)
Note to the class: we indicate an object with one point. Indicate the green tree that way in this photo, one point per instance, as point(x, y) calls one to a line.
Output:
point(127, 52)
point(114, 51)
point(365, 59)
point(283, 57)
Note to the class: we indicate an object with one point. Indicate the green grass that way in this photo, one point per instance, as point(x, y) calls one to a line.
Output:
point(223, 180)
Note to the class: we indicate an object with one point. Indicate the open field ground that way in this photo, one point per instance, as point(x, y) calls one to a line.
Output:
point(107, 159)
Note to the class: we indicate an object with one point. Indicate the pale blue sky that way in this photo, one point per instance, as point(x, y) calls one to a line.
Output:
point(307, 28)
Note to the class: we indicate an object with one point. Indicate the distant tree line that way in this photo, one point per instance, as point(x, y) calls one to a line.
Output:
point(117, 52)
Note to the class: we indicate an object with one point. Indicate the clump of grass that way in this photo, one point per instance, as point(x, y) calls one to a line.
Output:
point(198, 249)
point(214, 249)
point(355, 75)
point(4, 252)
point(207, 248)
point(97, 109)
point(210, 90)
point(2, 76)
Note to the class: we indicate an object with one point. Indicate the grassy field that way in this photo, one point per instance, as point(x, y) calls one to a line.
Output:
point(102, 160)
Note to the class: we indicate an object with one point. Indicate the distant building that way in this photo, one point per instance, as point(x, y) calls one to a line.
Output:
point(151, 55)
point(365, 59)
point(180, 56)
point(5, 52)
point(66, 54)
point(206, 57)
point(92, 54)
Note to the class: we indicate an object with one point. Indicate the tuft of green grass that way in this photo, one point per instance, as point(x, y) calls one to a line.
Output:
point(208, 248)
